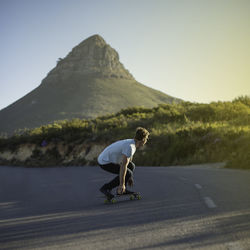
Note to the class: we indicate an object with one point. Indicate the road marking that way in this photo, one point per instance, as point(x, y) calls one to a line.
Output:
point(209, 202)
point(198, 186)
point(182, 178)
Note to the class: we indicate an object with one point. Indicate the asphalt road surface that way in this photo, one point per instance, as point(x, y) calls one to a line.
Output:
point(194, 207)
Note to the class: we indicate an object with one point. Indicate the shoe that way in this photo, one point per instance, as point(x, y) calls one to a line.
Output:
point(107, 193)
point(128, 192)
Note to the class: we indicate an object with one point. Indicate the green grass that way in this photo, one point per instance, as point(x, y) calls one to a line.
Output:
point(83, 97)
point(184, 133)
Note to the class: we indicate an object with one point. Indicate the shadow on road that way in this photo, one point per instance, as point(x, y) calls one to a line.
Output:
point(188, 222)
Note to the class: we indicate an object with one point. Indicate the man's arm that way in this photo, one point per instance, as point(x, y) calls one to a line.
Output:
point(123, 171)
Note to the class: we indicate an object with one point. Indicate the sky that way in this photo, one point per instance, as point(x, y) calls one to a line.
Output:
point(195, 50)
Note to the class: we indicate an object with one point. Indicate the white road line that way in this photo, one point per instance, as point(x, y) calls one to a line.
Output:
point(198, 186)
point(182, 178)
point(209, 202)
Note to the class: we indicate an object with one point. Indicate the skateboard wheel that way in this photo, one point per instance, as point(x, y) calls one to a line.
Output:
point(110, 201)
point(132, 197)
point(138, 197)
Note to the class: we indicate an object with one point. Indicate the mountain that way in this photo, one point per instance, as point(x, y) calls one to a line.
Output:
point(90, 81)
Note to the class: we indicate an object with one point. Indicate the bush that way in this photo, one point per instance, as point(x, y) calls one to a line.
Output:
point(181, 133)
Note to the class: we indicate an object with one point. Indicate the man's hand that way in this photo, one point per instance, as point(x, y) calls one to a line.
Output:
point(123, 171)
point(121, 189)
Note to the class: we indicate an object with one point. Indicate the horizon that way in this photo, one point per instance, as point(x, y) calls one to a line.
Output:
point(195, 51)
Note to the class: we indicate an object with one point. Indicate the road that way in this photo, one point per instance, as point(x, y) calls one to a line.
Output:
point(192, 207)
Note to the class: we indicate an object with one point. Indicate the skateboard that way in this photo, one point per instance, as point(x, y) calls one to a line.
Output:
point(132, 196)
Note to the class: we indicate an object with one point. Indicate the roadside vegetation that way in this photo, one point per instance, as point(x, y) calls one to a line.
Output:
point(183, 133)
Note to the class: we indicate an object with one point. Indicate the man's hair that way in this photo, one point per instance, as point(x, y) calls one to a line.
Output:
point(141, 134)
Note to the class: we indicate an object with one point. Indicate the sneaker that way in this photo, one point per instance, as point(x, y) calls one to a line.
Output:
point(107, 193)
point(128, 192)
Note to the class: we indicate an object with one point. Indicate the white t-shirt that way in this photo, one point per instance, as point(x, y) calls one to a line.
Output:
point(113, 153)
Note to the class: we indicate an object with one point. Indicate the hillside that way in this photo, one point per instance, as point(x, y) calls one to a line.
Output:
point(183, 133)
point(90, 81)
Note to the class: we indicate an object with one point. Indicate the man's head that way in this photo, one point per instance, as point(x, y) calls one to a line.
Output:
point(141, 136)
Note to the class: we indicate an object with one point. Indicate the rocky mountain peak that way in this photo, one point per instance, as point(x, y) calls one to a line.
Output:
point(95, 39)
point(89, 82)
point(92, 56)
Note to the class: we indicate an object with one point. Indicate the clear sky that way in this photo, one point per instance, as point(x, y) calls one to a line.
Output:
point(196, 50)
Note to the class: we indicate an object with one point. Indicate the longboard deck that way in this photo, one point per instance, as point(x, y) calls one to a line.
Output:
point(117, 197)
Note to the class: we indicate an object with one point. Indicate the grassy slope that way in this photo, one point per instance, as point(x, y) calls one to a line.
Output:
point(77, 97)
point(182, 133)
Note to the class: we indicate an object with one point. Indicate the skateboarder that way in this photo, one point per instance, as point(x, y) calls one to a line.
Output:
point(117, 159)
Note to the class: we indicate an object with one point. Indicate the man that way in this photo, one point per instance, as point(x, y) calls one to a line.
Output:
point(117, 159)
